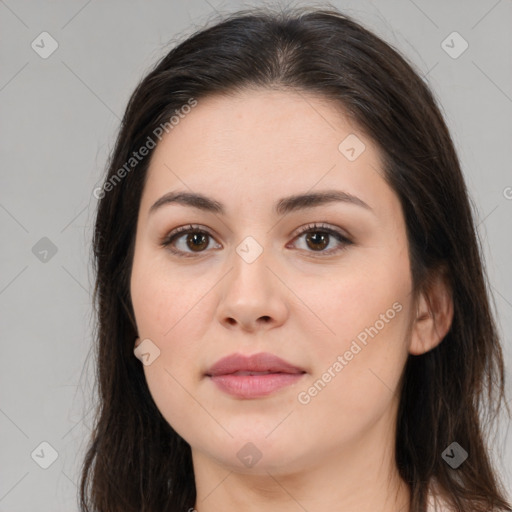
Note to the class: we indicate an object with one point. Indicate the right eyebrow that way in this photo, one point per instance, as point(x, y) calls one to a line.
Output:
point(191, 199)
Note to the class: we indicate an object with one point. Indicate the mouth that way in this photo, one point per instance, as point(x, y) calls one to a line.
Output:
point(253, 376)
point(252, 373)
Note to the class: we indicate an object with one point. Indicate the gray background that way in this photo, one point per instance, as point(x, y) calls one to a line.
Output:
point(58, 122)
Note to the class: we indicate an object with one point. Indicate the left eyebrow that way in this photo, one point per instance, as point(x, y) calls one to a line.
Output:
point(303, 201)
point(282, 206)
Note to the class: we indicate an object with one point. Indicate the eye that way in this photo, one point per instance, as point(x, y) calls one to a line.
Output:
point(195, 238)
point(319, 236)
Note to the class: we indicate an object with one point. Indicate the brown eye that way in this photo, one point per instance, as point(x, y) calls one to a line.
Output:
point(318, 237)
point(187, 240)
point(197, 241)
point(317, 240)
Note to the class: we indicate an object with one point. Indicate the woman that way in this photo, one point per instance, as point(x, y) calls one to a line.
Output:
point(292, 307)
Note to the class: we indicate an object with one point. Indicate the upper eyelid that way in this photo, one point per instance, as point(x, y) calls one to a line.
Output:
point(319, 226)
point(300, 230)
point(312, 226)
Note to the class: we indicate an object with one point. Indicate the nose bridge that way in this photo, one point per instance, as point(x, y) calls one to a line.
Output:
point(251, 293)
point(249, 276)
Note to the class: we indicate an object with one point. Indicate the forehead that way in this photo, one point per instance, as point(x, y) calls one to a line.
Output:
point(282, 121)
point(264, 143)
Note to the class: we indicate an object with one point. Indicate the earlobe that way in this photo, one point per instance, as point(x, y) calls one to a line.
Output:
point(434, 315)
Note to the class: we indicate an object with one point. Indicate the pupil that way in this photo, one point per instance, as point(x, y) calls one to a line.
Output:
point(316, 240)
point(194, 237)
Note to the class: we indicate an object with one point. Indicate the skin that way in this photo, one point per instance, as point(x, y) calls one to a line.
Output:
point(335, 452)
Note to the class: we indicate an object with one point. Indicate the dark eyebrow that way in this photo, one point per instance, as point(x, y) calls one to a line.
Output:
point(301, 201)
point(189, 199)
point(283, 206)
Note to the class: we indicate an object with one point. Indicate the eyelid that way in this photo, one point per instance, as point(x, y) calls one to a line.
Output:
point(169, 238)
point(336, 232)
point(323, 227)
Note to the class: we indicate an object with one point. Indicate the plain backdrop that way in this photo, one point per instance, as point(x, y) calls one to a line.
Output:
point(60, 112)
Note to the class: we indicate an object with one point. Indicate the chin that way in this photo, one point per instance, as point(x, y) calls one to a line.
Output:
point(256, 454)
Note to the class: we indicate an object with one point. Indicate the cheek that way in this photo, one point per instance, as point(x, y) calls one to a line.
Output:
point(174, 397)
point(174, 322)
point(164, 298)
point(357, 298)
point(169, 311)
point(361, 354)
point(355, 383)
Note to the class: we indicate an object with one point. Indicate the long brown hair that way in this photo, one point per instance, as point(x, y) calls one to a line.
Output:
point(135, 461)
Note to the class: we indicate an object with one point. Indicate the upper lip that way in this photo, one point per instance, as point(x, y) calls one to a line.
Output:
point(262, 362)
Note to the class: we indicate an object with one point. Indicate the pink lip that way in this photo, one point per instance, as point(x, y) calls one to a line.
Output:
point(253, 376)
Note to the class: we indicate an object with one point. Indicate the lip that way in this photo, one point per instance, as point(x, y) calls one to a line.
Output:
point(253, 376)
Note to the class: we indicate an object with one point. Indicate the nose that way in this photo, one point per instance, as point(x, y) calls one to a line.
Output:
point(252, 297)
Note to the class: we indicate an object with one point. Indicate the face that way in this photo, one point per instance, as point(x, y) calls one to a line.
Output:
point(311, 297)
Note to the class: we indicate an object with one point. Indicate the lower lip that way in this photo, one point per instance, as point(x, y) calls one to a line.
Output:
point(254, 386)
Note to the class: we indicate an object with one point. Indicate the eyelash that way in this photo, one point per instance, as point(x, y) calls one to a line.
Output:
point(310, 228)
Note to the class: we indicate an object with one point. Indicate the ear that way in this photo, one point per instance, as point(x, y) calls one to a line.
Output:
point(434, 313)
point(137, 342)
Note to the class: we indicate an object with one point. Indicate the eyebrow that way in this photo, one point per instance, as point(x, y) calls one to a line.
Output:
point(282, 206)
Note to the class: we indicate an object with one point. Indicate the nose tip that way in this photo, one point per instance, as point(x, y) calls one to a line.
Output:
point(251, 298)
